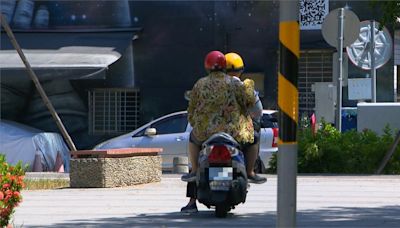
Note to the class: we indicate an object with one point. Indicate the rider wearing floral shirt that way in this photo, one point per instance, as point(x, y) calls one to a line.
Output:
point(218, 103)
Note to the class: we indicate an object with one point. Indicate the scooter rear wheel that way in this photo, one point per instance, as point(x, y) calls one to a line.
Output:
point(221, 211)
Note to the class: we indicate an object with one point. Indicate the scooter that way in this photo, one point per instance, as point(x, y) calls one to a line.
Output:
point(221, 178)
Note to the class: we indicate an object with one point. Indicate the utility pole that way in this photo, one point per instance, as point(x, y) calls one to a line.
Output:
point(373, 64)
point(288, 98)
point(340, 71)
point(341, 27)
point(36, 81)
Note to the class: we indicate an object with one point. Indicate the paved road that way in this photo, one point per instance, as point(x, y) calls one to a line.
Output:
point(322, 201)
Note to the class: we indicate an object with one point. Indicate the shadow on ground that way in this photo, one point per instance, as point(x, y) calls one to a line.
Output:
point(388, 216)
point(176, 219)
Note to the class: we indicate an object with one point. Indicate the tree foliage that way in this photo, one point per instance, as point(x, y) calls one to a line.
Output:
point(390, 9)
point(351, 152)
point(11, 184)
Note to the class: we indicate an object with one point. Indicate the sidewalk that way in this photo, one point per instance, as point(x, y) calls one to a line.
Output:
point(322, 201)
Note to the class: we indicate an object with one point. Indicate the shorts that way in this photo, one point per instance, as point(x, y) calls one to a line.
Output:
point(194, 140)
point(256, 140)
point(197, 142)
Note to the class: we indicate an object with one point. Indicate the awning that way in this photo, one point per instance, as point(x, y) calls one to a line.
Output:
point(65, 49)
point(65, 57)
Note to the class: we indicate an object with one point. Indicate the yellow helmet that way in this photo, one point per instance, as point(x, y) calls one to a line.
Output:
point(234, 62)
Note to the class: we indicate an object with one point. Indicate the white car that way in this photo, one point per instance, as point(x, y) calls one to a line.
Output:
point(171, 132)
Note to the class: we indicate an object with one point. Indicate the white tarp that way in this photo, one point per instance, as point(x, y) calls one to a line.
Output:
point(20, 143)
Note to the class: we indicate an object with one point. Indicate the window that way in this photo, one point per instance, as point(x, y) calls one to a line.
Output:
point(314, 66)
point(171, 125)
point(140, 133)
point(113, 110)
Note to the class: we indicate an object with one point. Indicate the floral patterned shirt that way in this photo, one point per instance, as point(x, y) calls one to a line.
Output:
point(218, 104)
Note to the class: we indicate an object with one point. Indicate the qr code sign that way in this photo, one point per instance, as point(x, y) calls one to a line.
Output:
point(312, 13)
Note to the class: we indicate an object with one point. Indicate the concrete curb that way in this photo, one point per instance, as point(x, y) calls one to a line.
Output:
point(46, 176)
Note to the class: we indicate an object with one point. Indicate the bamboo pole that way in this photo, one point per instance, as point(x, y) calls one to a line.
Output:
point(38, 86)
point(389, 154)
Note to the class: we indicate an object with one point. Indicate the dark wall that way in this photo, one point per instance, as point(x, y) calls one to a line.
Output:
point(176, 36)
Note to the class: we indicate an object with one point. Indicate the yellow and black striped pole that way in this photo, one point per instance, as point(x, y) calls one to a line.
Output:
point(289, 45)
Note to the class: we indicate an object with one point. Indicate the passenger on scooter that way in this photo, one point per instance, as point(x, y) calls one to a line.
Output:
point(219, 103)
point(235, 68)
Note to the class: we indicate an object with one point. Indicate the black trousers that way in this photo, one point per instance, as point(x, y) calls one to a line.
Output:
point(191, 190)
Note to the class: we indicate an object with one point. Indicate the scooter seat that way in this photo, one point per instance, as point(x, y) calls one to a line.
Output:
point(221, 138)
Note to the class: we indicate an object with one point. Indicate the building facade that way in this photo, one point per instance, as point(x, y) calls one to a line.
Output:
point(110, 66)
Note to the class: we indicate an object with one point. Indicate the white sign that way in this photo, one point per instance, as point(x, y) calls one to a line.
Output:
point(312, 13)
point(330, 27)
point(359, 88)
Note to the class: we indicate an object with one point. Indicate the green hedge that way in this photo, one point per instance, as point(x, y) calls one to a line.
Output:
point(351, 152)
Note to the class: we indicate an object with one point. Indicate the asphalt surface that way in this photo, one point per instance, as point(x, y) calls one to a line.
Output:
point(322, 201)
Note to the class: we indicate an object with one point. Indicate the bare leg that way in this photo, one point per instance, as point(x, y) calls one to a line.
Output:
point(251, 157)
point(194, 151)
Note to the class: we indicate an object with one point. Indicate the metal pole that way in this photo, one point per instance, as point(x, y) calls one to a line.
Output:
point(340, 72)
point(288, 98)
point(35, 80)
point(372, 54)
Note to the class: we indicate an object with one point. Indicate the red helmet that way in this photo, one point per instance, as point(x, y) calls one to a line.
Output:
point(215, 60)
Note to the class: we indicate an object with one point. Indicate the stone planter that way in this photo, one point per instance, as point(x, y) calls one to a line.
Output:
point(115, 168)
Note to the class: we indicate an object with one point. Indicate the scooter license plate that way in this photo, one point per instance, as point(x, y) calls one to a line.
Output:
point(220, 173)
point(220, 178)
